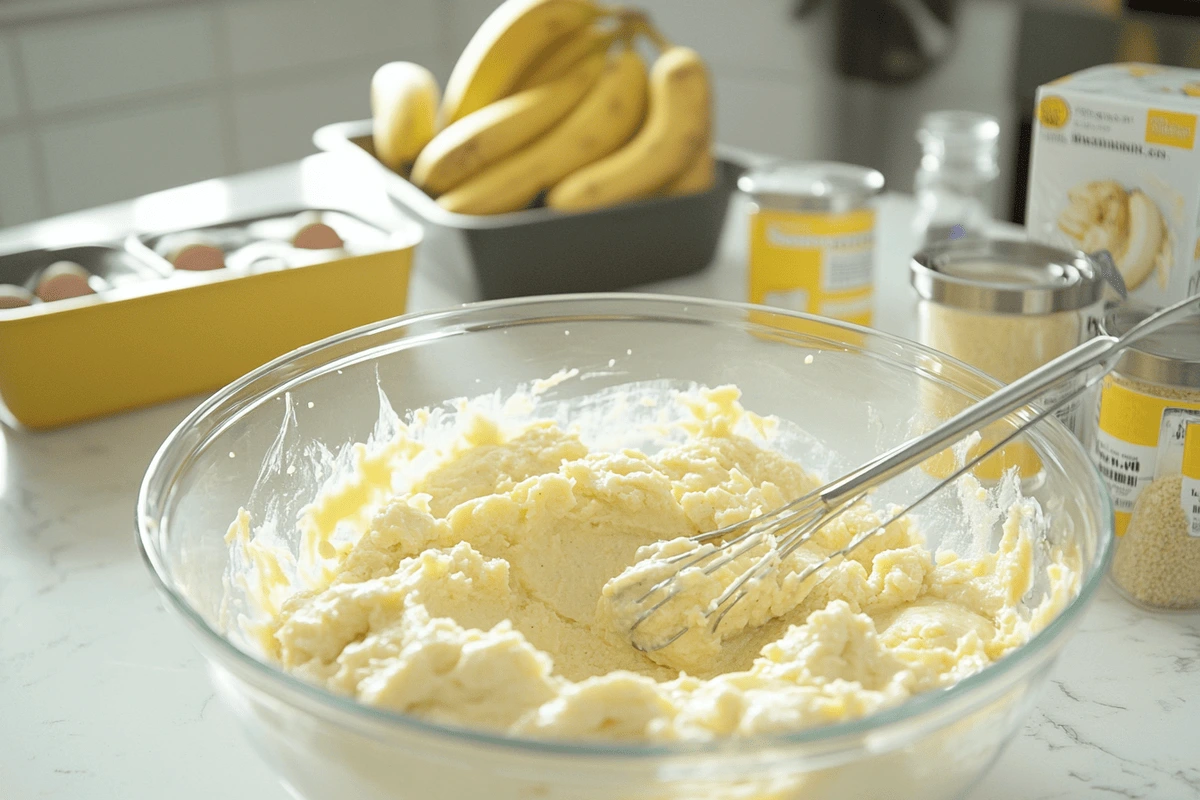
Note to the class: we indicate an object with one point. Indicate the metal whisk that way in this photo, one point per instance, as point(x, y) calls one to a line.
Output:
point(797, 522)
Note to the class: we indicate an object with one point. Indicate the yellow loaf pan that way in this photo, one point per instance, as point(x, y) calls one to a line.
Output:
point(158, 339)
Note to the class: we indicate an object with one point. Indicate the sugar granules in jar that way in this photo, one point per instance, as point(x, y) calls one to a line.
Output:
point(1008, 307)
point(1147, 448)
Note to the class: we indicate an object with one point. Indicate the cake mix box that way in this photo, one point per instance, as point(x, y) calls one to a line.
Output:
point(1115, 167)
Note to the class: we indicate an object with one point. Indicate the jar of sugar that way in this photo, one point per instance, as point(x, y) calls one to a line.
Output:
point(1007, 307)
point(1147, 449)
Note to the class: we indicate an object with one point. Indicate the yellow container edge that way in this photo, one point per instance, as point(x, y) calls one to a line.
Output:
point(103, 357)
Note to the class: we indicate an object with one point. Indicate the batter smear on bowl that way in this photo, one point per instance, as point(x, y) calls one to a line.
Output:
point(469, 569)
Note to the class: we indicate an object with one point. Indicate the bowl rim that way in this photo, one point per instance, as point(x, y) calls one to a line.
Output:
point(916, 707)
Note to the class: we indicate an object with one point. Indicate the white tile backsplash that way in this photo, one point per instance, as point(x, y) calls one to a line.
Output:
point(19, 195)
point(760, 35)
point(99, 86)
point(269, 35)
point(113, 156)
point(10, 105)
point(274, 123)
point(772, 116)
point(87, 61)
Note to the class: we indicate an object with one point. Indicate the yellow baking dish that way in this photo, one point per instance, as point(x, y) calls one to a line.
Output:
point(159, 334)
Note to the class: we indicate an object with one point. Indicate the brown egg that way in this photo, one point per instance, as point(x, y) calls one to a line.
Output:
point(197, 257)
point(15, 296)
point(62, 280)
point(316, 236)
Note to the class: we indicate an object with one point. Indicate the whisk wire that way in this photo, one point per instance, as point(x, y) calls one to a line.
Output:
point(792, 542)
point(797, 522)
point(971, 463)
point(796, 538)
point(752, 528)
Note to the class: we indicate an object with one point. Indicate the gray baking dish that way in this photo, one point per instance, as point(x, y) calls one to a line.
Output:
point(542, 251)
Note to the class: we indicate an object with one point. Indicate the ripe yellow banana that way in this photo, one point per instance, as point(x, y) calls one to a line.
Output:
point(487, 135)
point(513, 37)
point(560, 58)
point(603, 121)
point(699, 177)
point(404, 102)
point(677, 126)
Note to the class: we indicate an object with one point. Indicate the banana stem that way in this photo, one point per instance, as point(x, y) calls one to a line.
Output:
point(636, 21)
point(654, 34)
point(622, 30)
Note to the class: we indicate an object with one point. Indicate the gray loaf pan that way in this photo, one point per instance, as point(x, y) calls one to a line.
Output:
point(543, 251)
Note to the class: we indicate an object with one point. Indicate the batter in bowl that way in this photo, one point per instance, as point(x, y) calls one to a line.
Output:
point(484, 577)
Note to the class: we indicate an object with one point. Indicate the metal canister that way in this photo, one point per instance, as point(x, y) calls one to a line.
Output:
point(812, 237)
point(1007, 307)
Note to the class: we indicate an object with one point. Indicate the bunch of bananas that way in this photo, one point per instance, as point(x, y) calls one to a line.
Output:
point(550, 99)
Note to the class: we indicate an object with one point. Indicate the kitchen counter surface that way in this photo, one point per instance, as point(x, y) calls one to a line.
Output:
point(103, 696)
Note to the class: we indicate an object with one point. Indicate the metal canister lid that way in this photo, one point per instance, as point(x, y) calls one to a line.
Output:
point(1006, 276)
point(812, 186)
point(1170, 357)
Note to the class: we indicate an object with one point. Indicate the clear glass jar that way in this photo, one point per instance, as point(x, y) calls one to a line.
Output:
point(955, 183)
point(1147, 449)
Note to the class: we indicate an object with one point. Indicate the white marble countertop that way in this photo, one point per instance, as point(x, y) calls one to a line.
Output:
point(103, 696)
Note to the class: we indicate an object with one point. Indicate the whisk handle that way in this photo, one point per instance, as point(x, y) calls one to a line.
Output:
point(1100, 351)
point(1000, 403)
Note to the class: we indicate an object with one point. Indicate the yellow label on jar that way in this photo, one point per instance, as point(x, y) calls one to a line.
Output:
point(1191, 451)
point(1140, 437)
point(818, 263)
point(1189, 494)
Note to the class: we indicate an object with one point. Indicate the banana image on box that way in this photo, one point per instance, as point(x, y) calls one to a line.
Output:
point(1115, 166)
point(1102, 215)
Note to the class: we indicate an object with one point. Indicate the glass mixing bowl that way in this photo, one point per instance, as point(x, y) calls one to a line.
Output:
point(860, 392)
